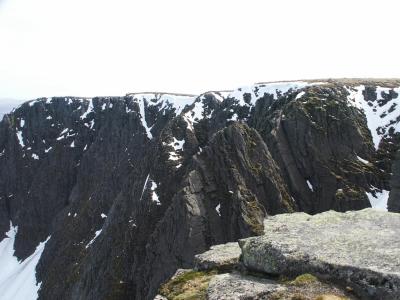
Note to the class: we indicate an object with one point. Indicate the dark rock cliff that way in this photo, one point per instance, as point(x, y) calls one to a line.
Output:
point(131, 188)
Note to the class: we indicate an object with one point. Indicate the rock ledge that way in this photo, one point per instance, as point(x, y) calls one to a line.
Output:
point(360, 249)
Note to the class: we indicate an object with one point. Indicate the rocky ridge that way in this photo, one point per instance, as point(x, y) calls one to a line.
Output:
point(127, 189)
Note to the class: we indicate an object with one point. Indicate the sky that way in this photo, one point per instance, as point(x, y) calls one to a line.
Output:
point(100, 48)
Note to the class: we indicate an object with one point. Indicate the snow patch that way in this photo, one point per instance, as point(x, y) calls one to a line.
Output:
point(259, 90)
point(300, 95)
point(96, 234)
point(177, 145)
point(379, 200)
point(68, 133)
point(20, 138)
point(363, 160)
point(310, 186)
point(18, 278)
point(64, 131)
point(154, 196)
point(218, 209)
point(31, 103)
point(153, 187)
point(233, 118)
point(89, 109)
point(380, 118)
point(162, 101)
point(171, 101)
point(196, 114)
point(143, 119)
point(218, 96)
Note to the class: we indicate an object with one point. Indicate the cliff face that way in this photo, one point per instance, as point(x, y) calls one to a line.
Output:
point(130, 188)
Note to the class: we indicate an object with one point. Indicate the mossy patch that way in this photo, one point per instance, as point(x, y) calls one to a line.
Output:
point(304, 279)
point(253, 215)
point(189, 286)
point(309, 287)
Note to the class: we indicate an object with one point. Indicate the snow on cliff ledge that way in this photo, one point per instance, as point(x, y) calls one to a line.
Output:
point(18, 278)
point(275, 89)
point(382, 116)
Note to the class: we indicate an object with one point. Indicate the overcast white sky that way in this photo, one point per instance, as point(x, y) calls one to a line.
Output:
point(97, 47)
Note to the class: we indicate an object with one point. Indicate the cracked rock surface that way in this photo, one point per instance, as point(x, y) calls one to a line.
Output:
point(360, 248)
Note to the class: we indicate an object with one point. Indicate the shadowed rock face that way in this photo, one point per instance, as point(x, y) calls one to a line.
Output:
point(314, 139)
point(393, 202)
point(161, 178)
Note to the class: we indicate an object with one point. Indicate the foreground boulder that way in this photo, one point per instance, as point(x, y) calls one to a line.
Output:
point(360, 249)
point(241, 287)
point(210, 285)
point(224, 256)
point(332, 255)
point(234, 286)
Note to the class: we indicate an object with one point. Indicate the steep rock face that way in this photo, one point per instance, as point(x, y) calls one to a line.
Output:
point(225, 194)
point(33, 186)
point(131, 188)
point(393, 202)
point(316, 139)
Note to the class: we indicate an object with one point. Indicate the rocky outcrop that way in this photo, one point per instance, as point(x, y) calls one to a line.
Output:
point(131, 188)
point(314, 139)
point(221, 257)
point(225, 194)
point(330, 255)
point(360, 249)
point(236, 286)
